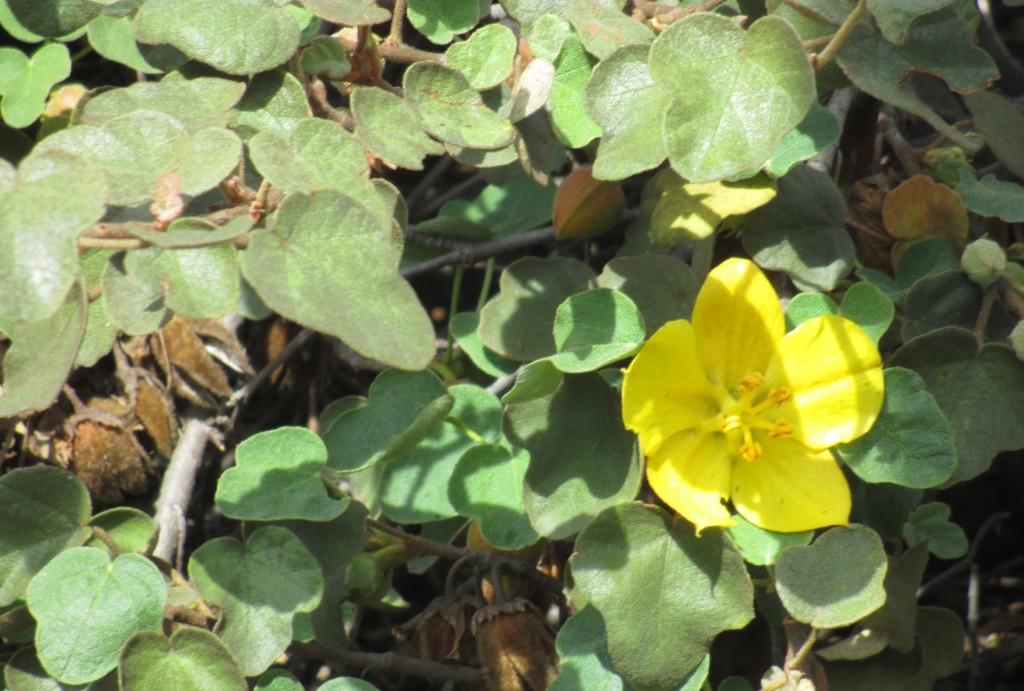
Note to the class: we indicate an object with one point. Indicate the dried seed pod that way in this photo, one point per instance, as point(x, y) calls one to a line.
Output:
point(155, 410)
point(108, 461)
point(441, 634)
point(515, 646)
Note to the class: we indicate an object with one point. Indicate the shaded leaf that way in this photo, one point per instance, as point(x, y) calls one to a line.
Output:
point(195, 659)
point(992, 197)
point(391, 129)
point(930, 522)
point(662, 287)
point(486, 484)
point(485, 57)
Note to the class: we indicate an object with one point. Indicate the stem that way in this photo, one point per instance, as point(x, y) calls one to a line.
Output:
point(484, 249)
point(391, 662)
point(485, 289)
point(104, 537)
point(462, 427)
point(987, 300)
point(825, 56)
point(86, 243)
point(805, 650)
point(452, 307)
point(397, 19)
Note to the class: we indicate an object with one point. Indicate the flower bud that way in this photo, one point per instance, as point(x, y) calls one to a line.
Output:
point(1017, 340)
point(983, 261)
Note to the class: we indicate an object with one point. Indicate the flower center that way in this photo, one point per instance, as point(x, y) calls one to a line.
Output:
point(750, 413)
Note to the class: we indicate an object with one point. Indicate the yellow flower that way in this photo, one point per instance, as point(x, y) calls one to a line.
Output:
point(731, 407)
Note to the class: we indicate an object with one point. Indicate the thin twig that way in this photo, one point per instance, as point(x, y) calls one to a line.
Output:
point(451, 193)
point(390, 662)
point(290, 349)
point(397, 19)
point(900, 146)
point(1012, 300)
point(178, 483)
point(851, 21)
point(484, 249)
point(427, 181)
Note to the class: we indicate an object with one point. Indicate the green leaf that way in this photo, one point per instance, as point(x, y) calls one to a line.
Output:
point(596, 328)
point(743, 92)
point(582, 646)
point(260, 585)
point(485, 57)
point(869, 308)
point(516, 206)
point(43, 511)
point(108, 604)
point(441, 20)
point(817, 131)
point(517, 323)
point(215, 154)
point(895, 16)
point(910, 443)
point(604, 28)
point(41, 355)
point(633, 559)
point(327, 262)
point(623, 99)
point(135, 306)
point(351, 12)
point(54, 196)
point(130, 528)
point(278, 680)
point(547, 36)
point(196, 103)
point(762, 547)
point(486, 485)
point(318, 154)
point(802, 231)
point(940, 43)
point(463, 327)
point(53, 18)
point(930, 522)
point(347, 684)
point(992, 197)
point(452, 110)
point(582, 460)
point(403, 409)
point(993, 114)
point(277, 475)
point(569, 118)
point(939, 300)
point(189, 233)
point(274, 102)
point(662, 287)
point(112, 38)
point(326, 58)
point(195, 659)
point(804, 306)
point(836, 580)
point(24, 672)
point(883, 507)
point(336, 542)
point(234, 36)
point(390, 128)
point(415, 487)
point(100, 331)
point(687, 211)
point(133, 151)
point(25, 83)
point(201, 283)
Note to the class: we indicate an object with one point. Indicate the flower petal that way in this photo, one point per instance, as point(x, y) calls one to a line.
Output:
point(835, 374)
point(792, 488)
point(690, 472)
point(738, 321)
point(665, 390)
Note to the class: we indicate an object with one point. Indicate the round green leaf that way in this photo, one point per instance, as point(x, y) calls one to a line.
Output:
point(517, 323)
point(235, 36)
point(836, 580)
point(25, 83)
point(326, 58)
point(486, 484)
point(939, 300)
point(415, 487)
point(327, 262)
point(50, 200)
point(38, 362)
point(485, 57)
point(274, 102)
point(351, 12)
point(663, 592)
point(762, 547)
point(441, 20)
point(966, 380)
point(317, 154)
point(992, 197)
point(277, 475)
point(334, 542)
point(195, 659)
point(390, 128)
point(53, 18)
point(817, 131)
point(404, 407)
point(463, 326)
point(130, 528)
point(603, 28)
point(201, 282)
point(112, 38)
point(662, 287)
point(802, 231)
point(260, 586)
point(623, 98)
point(134, 305)
point(107, 605)
point(452, 110)
point(740, 92)
point(278, 680)
point(214, 155)
point(930, 522)
point(910, 443)
point(347, 684)
point(582, 646)
point(869, 308)
point(569, 118)
point(43, 511)
point(582, 460)
point(596, 328)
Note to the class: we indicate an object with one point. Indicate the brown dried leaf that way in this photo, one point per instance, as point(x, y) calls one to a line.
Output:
point(155, 410)
point(188, 355)
point(440, 635)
